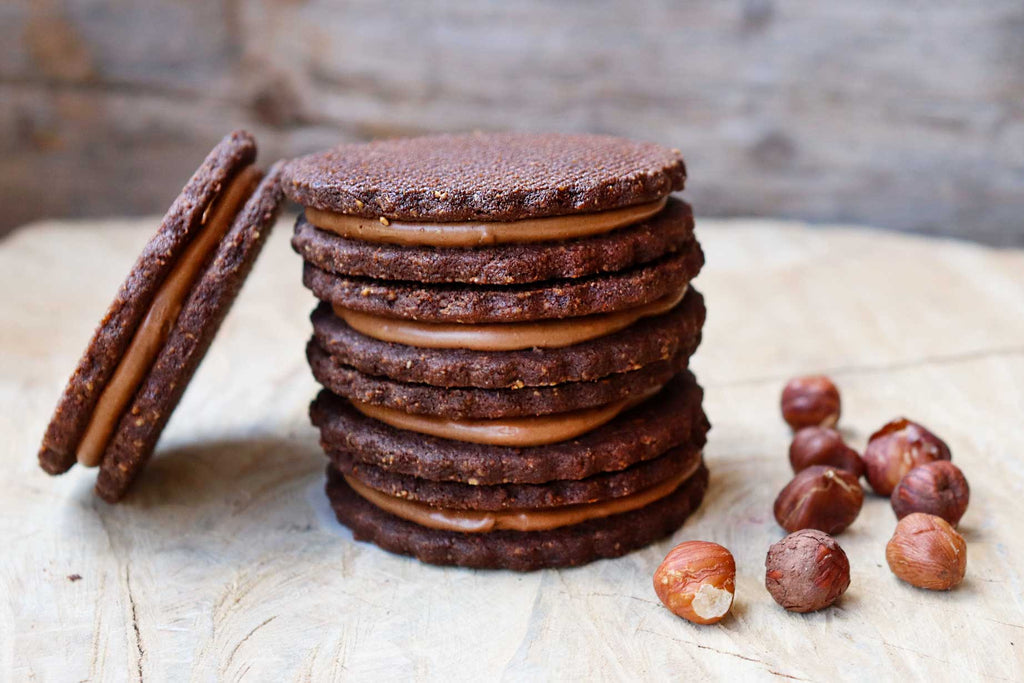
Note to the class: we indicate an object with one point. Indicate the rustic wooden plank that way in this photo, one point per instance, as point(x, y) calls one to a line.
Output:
point(881, 113)
point(226, 559)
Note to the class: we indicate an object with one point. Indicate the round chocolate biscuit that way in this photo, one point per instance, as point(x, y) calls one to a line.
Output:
point(208, 302)
point(459, 496)
point(501, 264)
point(567, 546)
point(459, 403)
point(673, 417)
point(449, 303)
point(493, 176)
point(117, 328)
point(646, 341)
point(209, 296)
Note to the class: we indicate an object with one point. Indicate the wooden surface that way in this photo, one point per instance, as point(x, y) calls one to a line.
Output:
point(900, 114)
point(225, 559)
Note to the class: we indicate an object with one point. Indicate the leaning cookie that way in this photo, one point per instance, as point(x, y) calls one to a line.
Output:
point(164, 318)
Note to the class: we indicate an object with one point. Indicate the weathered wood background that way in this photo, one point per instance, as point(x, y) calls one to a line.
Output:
point(907, 115)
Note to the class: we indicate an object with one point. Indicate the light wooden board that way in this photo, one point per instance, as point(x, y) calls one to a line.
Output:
point(226, 563)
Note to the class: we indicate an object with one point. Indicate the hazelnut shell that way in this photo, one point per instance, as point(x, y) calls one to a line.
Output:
point(806, 571)
point(897, 448)
point(811, 401)
point(696, 581)
point(936, 488)
point(823, 446)
point(819, 497)
point(927, 552)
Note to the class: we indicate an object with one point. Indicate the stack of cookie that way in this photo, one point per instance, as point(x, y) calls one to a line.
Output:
point(503, 337)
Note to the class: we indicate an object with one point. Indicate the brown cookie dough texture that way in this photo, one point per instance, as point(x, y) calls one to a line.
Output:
point(493, 176)
point(667, 232)
point(455, 495)
point(568, 546)
point(649, 340)
point(476, 403)
point(573, 298)
point(671, 418)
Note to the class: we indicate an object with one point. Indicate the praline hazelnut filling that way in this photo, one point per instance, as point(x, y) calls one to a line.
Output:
point(520, 432)
point(476, 234)
point(542, 334)
point(160, 319)
point(541, 519)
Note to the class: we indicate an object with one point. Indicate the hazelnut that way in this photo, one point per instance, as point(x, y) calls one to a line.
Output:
point(925, 551)
point(810, 402)
point(897, 448)
point(806, 571)
point(823, 446)
point(938, 488)
point(696, 581)
point(819, 497)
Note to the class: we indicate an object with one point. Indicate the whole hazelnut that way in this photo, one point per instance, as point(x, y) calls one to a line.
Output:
point(938, 488)
point(823, 446)
point(897, 448)
point(806, 571)
point(925, 551)
point(810, 402)
point(697, 581)
point(819, 497)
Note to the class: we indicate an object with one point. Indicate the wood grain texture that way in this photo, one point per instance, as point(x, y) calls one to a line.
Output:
point(226, 561)
point(902, 115)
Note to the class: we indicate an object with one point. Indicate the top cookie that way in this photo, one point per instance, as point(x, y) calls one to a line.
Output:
point(497, 176)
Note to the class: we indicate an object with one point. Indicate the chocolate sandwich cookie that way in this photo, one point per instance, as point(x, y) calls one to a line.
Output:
point(477, 403)
point(571, 298)
point(503, 264)
point(649, 340)
point(671, 418)
point(593, 489)
point(164, 318)
point(503, 177)
point(607, 530)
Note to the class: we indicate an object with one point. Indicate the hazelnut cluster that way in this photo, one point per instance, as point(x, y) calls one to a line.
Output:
point(808, 570)
point(826, 493)
point(902, 460)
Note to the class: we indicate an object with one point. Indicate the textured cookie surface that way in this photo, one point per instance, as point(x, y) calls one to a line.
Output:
point(116, 329)
point(474, 403)
point(671, 418)
point(603, 293)
point(454, 495)
point(518, 550)
point(201, 315)
point(494, 176)
point(647, 341)
point(502, 264)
